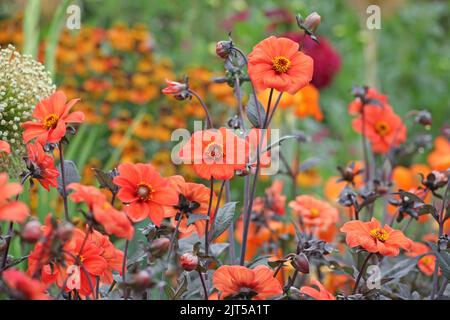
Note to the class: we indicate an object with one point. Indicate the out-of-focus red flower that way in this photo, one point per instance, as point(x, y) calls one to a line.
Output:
point(194, 200)
point(273, 202)
point(215, 153)
point(321, 294)
point(276, 63)
point(144, 191)
point(383, 127)
point(317, 215)
point(14, 211)
point(44, 165)
point(374, 238)
point(51, 117)
point(4, 147)
point(24, 287)
point(327, 61)
point(374, 99)
point(439, 158)
point(114, 221)
point(240, 16)
point(427, 263)
point(257, 283)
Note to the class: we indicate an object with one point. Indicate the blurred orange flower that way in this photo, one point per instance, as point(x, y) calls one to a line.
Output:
point(383, 128)
point(439, 158)
point(14, 211)
point(321, 294)
point(239, 281)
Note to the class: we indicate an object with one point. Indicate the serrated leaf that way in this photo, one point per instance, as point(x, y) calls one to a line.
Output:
point(71, 174)
point(252, 112)
point(224, 219)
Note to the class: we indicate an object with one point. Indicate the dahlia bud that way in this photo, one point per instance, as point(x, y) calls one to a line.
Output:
point(189, 261)
point(142, 280)
point(312, 21)
point(32, 231)
point(223, 48)
point(301, 263)
point(159, 246)
point(177, 89)
point(424, 118)
point(64, 231)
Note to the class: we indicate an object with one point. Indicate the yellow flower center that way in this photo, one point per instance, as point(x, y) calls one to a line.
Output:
point(281, 64)
point(382, 128)
point(427, 260)
point(144, 191)
point(51, 121)
point(214, 151)
point(379, 234)
point(314, 212)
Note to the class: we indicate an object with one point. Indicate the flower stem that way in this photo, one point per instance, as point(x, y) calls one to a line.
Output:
point(205, 291)
point(211, 192)
point(363, 268)
point(209, 123)
point(63, 180)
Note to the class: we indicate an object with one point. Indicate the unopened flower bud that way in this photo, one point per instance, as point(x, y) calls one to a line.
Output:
point(189, 261)
point(424, 118)
point(301, 263)
point(177, 89)
point(32, 231)
point(142, 280)
point(312, 21)
point(159, 246)
point(64, 231)
point(223, 49)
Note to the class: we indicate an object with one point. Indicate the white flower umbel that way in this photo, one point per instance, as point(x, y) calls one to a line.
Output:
point(23, 83)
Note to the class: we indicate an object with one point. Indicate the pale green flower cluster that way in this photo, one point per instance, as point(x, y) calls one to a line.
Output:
point(23, 83)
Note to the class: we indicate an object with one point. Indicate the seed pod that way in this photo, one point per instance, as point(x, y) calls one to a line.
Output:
point(189, 261)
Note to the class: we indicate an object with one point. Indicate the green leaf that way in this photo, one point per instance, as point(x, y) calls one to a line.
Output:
point(224, 219)
point(399, 270)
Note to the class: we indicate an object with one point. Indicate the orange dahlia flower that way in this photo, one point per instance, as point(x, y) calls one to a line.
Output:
point(439, 158)
point(374, 238)
point(24, 287)
point(114, 221)
point(278, 64)
point(14, 211)
point(215, 153)
point(317, 215)
point(5, 147)
point(144, 191)
point(245, 283)
point(321, 294)
point(45, 165)
point(195, 200)
point(52, 115)
point(427, 262)
point(383, 127)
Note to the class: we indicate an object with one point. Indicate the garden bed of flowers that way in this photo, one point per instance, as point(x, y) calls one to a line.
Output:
point(123, 177)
